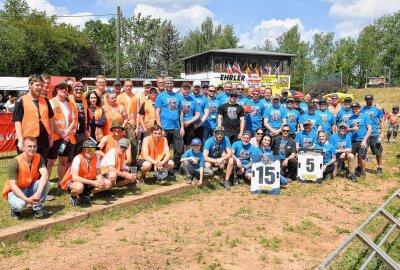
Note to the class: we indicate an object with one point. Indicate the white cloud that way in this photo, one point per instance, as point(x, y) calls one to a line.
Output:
point(184, 19)
point(170, 5)
point(272, 29)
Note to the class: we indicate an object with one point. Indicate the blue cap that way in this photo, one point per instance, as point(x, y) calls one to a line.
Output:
point(196, 141)
point(343, 124)
point(233, 92)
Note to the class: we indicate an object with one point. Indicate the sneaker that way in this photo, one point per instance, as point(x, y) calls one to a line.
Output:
point(74, 201)
point(352, 178)
point(189, 180)
point(50, 197)
point(328, 176)
point(16, 215)
point(42, 213)
point(227, 185)
point(358, 171)
point(379, 171)
point(235, 181)
point(85, 198)
point(363, 175)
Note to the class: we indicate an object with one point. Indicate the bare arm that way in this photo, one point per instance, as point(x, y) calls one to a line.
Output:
point(167, 152)
point(219, 123)
point(158, 116)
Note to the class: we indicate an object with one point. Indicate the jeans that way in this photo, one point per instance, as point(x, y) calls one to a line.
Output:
point(189, 170)
point(17, 204)
point(174, 137)
point(283, 180)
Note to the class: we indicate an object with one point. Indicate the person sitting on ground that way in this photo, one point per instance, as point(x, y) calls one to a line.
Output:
point(329, 155)
point(113, 165)
point(109, 141)
point(193, 163)
point(341, 140)
point(156, 155)
point(28, 181)
point(84, 175)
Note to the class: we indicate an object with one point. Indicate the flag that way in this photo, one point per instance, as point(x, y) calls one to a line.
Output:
point(277, 71)
point(267, 69)
point(257, 70)
point(236, 68)
point(248, 71)
point(229, 69)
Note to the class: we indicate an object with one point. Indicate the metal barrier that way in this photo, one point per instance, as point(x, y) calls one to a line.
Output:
point(376, 248)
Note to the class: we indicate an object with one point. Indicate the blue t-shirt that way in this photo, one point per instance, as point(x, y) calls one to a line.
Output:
point(374, 115)
point(340, 143)
point(306, 140)
point(292, 119)
point(215, 149)
point(328, 120)
point(223, 98)
point(202, 102)
point(170, 105)
point(254, 119)
point(267, 104)
point(213, 105)
point(199, 155)
point(243, 100)
point(362, 121)
point(315, 120)
point(282, 149)
point(244, 152)
point(275, 116)
point(329, 151)
point(189, 107)
point(344, 115)
point(304, 107)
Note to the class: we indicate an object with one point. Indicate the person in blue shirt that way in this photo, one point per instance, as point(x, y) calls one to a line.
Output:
point(267, 98)
point(168, 111)
point(292, 117)
point(193, 163)
point(283, 100)
point(202, 102)
point(242, 152)
point(341, 140)
point(242, 99)
point(223, 97)
point(191, 113)
point(218, 152)
point(327, 117)
point(211, 121)
point(375, 140)
point(310, 115)
point(360, 128)
point(254, 119)
point(329, 154)
point(274, 117)
point(306, 138)
point(345, 113)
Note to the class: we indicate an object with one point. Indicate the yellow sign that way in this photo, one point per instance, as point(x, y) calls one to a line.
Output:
point(280, 82)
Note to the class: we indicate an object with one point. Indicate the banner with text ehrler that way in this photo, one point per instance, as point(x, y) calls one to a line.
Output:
point(270, 81)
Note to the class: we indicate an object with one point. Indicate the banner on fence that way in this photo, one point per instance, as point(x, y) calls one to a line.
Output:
point(7, 133)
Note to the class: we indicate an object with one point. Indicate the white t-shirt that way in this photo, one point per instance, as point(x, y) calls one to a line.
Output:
point(76, 163)
point(64, 109)
point(109, 159)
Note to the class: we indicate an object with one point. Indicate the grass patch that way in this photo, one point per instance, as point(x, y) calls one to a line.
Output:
point(80, 241)
point(272, 243)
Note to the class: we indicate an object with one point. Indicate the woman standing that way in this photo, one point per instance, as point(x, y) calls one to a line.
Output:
point(98, 117)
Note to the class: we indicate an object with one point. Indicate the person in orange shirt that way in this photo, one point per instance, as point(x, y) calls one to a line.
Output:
point(147, 113)
point(131, 103)
point(392, 122)
point(156, 155)
point(335, 106)
point(113, 111)
point(98, 116)
point(145, 94)
point(84, 176)
point(27, 181)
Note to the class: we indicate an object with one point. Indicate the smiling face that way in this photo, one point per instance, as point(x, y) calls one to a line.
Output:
point(266, 142)
point(92, 99)
point(322, 137)
point(29, 147)
point(246, 139)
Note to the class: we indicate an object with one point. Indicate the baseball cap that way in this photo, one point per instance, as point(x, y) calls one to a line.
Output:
point(311, 105)
point(77, 84)
point(355, 104)
point(196, 83)
point(124, 142)
point(61, 84)
point(153, 90)
point(146, 82)
point(168, 79)
point(204, 84)
point(369, 97)
point(284, 91)
point(348, 99)
point(307, 122)
point(334, 96)
point(297, 100)
point(89, 144)
point(196, 141)
point(117, 82)
point(233, 93)
point(343, 124)
point(322, 100)
point(290, 100)
point(276, 96)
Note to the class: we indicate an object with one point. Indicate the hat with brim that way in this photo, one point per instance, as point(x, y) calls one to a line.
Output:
point(63, 85)
point(355, 104)
point(124, 142)
point(196, 141)
point(89, 144)
point(116, 124)
point(276, 96)
point(307, 122)
point(342, 124)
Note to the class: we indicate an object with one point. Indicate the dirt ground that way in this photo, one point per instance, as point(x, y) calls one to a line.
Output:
point(218, 230)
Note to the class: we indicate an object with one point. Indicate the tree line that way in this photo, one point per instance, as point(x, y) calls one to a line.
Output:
point(34, 43)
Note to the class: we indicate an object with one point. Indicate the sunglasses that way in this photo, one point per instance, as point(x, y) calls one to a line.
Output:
point(335, 98)
point(285, 130)
point(233, 96)
point(211, 91)
point(78, 89)
point(89, 150)
point(240, 89)
point(260, 133)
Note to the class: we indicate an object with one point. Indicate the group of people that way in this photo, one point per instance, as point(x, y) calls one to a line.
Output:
point(103, 138)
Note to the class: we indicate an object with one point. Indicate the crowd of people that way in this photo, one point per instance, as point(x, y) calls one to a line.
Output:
point(114, 137)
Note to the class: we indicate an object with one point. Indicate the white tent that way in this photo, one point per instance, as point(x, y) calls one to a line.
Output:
point(14, 83)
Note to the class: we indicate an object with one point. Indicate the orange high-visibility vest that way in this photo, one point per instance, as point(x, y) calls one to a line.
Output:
point(149, 113)
point(156, 152)
point(60, 121)
point(119, 162)
point(31, 119)
point(83, 171)
point(112, 113)
point(130, 103)
point(394, 118)
point(111, 141)
point(27, 175)
point(99, 130)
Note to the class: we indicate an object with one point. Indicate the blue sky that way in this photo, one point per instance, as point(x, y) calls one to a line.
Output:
point(253, 21)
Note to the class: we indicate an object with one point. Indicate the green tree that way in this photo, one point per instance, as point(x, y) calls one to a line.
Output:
point(322, 49)
point(343, 59)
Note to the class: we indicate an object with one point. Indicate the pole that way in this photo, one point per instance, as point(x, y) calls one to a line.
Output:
point(118, 44)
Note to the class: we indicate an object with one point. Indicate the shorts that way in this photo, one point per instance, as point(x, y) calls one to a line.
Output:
point(356, 148)
point(189, 135)
point(140, 163)
point(119, 178)
point(376, 148)
point(68, 152)
point(87, 189)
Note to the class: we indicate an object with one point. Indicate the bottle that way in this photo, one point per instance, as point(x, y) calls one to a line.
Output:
point(62, 147)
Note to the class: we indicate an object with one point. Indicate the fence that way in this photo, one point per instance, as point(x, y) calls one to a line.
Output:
point(327, 83)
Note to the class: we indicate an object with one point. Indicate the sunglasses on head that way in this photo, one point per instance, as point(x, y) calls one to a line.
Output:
point(89, 150)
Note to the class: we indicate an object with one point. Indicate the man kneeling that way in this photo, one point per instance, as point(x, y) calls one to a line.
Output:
point(84, 176)
point(155, 154)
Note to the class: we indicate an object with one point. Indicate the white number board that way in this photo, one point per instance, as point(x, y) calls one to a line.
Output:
point(310, 166)
point(265, 177)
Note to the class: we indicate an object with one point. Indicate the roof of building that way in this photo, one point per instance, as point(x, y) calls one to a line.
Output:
point(240, 51)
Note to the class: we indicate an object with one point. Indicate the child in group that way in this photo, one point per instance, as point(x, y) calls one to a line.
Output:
point(193, 163)
point(393, 123)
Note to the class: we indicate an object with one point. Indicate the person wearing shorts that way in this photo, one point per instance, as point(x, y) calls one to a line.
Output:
point(84, 176)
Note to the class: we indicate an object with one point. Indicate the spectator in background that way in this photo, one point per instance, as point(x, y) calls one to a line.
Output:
point(46, 87)
point(98, 118)
point(117, 87)
point(335, 106)
point(329, 100)
point(2, 107)
point(12, 99)
point(393, 123)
